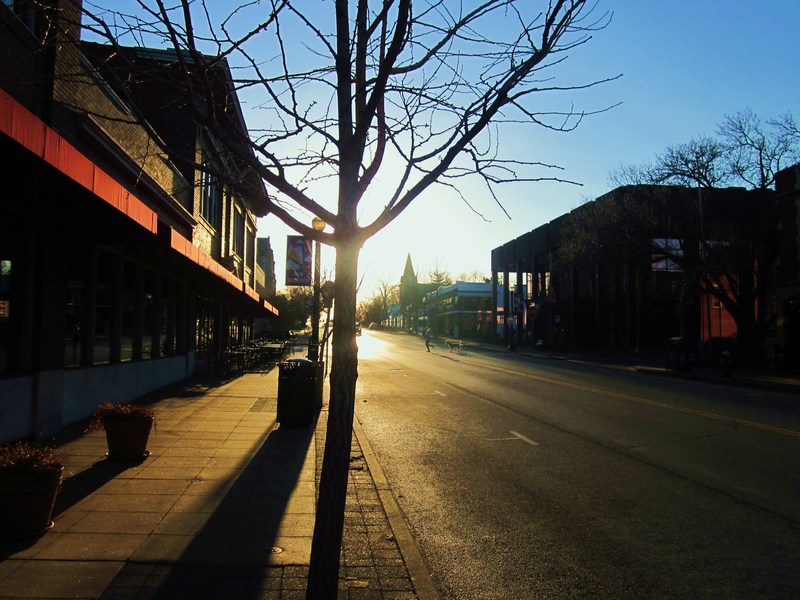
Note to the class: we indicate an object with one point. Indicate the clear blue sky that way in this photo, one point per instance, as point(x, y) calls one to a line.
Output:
point(685, 64)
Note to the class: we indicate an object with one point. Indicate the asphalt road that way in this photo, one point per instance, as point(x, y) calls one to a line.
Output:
point(523, 478)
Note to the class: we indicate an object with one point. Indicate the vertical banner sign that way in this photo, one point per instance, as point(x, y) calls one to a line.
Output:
point(298, 260)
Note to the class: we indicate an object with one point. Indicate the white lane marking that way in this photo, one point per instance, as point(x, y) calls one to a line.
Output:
point(523, 438)
point(517, 437)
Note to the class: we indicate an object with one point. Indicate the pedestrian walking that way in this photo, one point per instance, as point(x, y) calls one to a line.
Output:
point(428, 335)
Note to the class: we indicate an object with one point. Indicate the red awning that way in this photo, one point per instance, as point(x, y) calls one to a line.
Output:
point(197, 256)
point(25, 128)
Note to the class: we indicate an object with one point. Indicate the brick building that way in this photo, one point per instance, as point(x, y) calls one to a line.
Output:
point(594, 280)
point(784, 338)
point(123, 266)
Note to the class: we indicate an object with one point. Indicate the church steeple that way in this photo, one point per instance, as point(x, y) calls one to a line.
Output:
point(408, 273)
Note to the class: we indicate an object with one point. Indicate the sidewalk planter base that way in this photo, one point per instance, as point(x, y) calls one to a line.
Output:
point(127, 438)
point(26, 503)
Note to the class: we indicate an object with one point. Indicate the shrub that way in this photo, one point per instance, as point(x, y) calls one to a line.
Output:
point(126, 410)
point(27, 457)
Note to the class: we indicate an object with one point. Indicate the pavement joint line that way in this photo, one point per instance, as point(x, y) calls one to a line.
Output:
point(417, 569)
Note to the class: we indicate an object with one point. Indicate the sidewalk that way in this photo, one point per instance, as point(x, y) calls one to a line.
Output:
point(774, 380)
point(222, 508)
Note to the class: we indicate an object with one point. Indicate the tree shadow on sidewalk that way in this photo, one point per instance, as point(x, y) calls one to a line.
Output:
point(230, 541)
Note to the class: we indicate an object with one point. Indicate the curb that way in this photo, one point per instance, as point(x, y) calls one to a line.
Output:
point(782, 385)
point(417, 569)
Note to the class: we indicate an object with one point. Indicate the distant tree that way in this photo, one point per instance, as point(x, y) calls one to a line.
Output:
point(788, 126)
point(366, 310)
point(745, 152)
point(733, 263)
point(474, 276)
point(375, 308)
point(700, 163)
point(756, 151)
point(439, 277)
point(632, 174)
point(292, 303)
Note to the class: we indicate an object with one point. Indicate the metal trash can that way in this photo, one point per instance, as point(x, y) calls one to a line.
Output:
point(680, 354)
point(297, 392)
point(673, 350)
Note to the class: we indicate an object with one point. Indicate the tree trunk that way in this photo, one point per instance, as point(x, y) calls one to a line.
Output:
point(747, 339)
point(323, 575)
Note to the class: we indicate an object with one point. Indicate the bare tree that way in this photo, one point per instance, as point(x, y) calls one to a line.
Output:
point(698, 163)
point(475, 276)
point(747, 151)
point(756, 151)
point(376, 307)
point(416, 91)
point(788, 126)
point(628, 174)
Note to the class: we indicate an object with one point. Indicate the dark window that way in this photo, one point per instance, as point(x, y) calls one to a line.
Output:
point(238, 232)
point(103, 308)
point(25, 11)
point(5, 312)
point(129, 324)
point(73, 345)
point(211, 199)
point(205, 327)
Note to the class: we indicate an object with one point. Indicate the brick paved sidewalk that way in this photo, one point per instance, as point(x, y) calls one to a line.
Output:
point(372, 566)
point(222, 508)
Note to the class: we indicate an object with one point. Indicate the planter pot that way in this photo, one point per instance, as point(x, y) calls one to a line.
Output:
point(127, 438)
point(26, 502)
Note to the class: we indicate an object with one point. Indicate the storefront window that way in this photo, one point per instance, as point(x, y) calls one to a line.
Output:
point(206, 324)
point(72, 346)
point(102, 308)
point(128, 311)
point(5, 312)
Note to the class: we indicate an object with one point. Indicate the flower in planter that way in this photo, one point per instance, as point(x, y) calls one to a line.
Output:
point(27, 457)
point(125, 411)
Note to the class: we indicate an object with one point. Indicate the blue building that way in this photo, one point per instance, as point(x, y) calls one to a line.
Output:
point(462, 310)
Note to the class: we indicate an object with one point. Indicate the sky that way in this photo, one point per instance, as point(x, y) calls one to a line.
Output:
point(684, 66)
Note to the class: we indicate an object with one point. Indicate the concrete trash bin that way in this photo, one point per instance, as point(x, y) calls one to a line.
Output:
point(297, 392)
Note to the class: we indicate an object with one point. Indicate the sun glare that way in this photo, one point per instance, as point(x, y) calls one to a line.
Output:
point(369, 345)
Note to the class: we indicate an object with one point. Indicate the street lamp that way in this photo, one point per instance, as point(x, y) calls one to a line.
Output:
point(313, 346)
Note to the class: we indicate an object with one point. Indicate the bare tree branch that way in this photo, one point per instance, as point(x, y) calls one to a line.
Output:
point(343, 92)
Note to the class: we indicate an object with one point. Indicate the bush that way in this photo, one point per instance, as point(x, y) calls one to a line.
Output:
point(27, 457)
point(126, 410)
